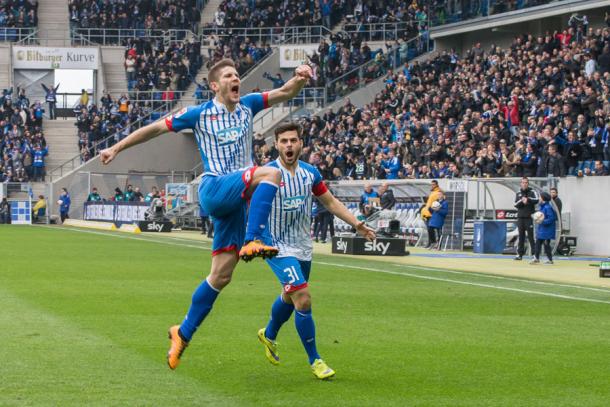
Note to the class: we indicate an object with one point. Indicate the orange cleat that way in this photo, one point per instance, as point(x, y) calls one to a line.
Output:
point(256, 248)
point(177, 348)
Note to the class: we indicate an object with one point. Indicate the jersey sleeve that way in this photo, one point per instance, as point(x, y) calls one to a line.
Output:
point(186, 118)
point(319, 187)
point(256, 102)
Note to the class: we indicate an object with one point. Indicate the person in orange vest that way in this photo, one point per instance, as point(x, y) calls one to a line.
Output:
point(435, 194)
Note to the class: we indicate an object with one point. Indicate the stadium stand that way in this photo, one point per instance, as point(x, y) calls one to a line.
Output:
point(537, 108)
point(18, 14)
point(175, 14)
point(23, 146)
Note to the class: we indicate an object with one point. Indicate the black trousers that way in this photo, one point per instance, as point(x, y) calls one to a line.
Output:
point(63, 216)
point(525, 225)
point(432, 235)
point(325, 218)
point(547, 248)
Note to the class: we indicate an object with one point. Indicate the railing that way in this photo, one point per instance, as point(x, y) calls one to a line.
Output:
point(118, 36)
point(360, 76)
point(308, 97)
point(384, 31)
point(15, 34)
point(76, 161)
point(457, 11)
point(269, 35)
point(54, 38)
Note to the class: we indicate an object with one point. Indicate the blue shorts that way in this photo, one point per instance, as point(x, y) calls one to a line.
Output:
point(223, 198)
point(292, 273)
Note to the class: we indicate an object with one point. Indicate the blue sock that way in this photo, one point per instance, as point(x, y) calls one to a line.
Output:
point(260, 208)
point(280, 313)
point(201, 305)
point(307, 332)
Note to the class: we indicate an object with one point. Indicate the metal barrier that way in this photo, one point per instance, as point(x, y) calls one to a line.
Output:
point(118, 36)
point(383, 31)
point(270, 35)
point(15, 34)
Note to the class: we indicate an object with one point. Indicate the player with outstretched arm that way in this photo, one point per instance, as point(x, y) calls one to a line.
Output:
point(223, 129)
point(289, 230)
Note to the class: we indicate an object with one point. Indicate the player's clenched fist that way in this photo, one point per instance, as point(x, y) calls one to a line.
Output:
point(304, 71)
point(107, 155)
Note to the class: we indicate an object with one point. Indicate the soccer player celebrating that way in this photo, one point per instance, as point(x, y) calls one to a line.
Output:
point(223, 129)
point(290, 225)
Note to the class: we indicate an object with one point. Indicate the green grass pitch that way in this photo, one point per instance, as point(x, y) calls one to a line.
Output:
point(83, 321)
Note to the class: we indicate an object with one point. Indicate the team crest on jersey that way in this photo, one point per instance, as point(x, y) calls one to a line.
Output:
point(228, 136)
point(180, 112)
point(293, 203)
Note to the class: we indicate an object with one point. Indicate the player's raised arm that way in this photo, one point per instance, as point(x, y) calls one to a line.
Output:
point(183, 119)
point(335, 207)
point(290, 89)
point(137, 137)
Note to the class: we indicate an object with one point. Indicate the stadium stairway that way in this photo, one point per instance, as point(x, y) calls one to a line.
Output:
point(53, 20)
point(207, 14)
point(61, 140)
point(113, 64)
point(5, 66)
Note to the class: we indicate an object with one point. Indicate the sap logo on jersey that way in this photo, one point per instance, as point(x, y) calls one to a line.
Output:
point(342, 245)
point(293, 203)
point(228, 136)
point(376, 246)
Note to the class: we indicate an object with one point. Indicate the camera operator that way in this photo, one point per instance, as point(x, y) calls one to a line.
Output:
point(525, 202)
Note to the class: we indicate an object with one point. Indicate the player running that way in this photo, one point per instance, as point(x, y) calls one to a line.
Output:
point(223, 129)
point(290, 225)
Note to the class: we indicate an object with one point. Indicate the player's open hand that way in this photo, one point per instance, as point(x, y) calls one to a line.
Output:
point(304, 72)
point(107, 155)
point(366, 232)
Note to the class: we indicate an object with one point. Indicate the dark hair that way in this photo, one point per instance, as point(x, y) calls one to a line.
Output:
point(215, 70)
point(288, 126)
point(554, 189)
point(525, 178)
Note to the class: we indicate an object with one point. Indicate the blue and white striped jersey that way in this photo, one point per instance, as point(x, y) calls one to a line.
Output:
point(290, 219)
point(224, 138)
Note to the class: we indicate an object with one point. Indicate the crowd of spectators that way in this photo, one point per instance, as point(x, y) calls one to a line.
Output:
point(18, 13)
point(22, 143)
point(245, 51)
point(117, 117)
point(152, 66)
point(135, 14)
point(539, 108)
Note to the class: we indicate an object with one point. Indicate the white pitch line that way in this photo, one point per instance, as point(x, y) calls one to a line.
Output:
point(495, 276)
point(120, 236)
point(446, 280)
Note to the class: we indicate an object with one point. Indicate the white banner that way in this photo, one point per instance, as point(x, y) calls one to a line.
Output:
point(55, 58)
point(292, 56)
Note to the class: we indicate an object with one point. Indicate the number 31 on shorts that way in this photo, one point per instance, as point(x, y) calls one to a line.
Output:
point(292, 274)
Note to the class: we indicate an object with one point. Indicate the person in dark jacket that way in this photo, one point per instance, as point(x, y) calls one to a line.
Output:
point(5, 211)
point(525, 202)
point(64, 204)
point(529, 162)
point(546, 230)
point(387, 200)
point(435, 225)
point(556, 200)
point(553, 163)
